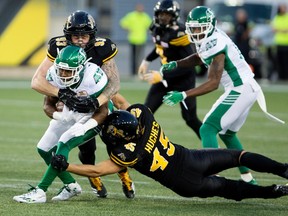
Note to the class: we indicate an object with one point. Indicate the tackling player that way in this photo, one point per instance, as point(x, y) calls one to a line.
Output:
point(80, 30)
point(135, 139)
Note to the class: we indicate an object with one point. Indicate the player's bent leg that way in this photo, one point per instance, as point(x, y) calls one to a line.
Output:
point(68, 191)
point(87, 156)
point(128, 186)
point(208, 135)
point(260, 163)
point(239, 190)
point(231, 141)
point(98, 187)
point(65, 177)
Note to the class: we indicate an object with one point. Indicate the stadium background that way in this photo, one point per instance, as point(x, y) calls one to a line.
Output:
point(27, 25)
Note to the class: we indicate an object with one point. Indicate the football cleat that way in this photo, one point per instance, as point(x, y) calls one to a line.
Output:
point(68, 191)
point(253, 181)
point(98, 187)
point(35, 195)
point(282, 190)
point(128, 186)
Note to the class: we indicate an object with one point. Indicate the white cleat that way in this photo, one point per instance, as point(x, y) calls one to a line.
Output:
point(68, 191)
point(36, 195)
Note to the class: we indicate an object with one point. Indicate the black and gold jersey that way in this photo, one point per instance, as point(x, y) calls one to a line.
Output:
point(153, 155)
point(171, 43)
point(102, 50)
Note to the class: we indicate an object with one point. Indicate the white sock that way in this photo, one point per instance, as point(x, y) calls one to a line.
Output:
point(247, 177)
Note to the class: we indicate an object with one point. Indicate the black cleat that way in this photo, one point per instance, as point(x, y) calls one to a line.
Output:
point(282, 190)
point(98, 187)
point(285, 174)
point(127, 184)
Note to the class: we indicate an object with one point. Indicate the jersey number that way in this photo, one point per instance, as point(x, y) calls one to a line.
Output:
point(158, 160)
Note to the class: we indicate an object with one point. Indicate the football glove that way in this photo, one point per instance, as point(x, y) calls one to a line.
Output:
point(174, 97)
point(168, 67)
point(65, 95)
point(59, 162)
point(143, 69)
point(85, 104)
point(153, 77)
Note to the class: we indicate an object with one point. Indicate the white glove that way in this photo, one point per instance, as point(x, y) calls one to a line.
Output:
point(143, 69)
point(79, 129)
point(63, 116)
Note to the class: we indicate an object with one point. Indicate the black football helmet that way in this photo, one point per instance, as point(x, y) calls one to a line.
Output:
point(120, 127)
point(168, 6)
point(79, 23)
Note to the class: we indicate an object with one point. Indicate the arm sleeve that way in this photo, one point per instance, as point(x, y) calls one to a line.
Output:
point(152, 55)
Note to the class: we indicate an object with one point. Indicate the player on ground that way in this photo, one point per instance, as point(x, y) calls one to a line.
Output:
point(136, 140)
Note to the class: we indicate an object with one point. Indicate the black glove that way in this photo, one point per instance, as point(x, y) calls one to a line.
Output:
point(66, 95)
point(85, 104)
point(59, 162)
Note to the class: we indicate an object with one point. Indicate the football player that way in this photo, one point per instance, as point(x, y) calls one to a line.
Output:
point(135, 139)
point(171, 43)
point(80, 30)
point(226, 66)
point(69, 128)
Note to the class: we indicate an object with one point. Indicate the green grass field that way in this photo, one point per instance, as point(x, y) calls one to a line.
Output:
point(23, 123)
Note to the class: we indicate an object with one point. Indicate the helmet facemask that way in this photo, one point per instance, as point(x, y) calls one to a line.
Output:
point(69, 64)
point(200, 24)
point(66, 81)
point(197, 32)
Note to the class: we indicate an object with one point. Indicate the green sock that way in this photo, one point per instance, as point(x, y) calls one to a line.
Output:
point(232, 142)
point(208, 135)
point(65, 177)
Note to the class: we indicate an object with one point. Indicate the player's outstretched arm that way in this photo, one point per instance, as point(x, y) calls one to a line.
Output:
point(106, 167)
point(39, 82)
point(102, 168)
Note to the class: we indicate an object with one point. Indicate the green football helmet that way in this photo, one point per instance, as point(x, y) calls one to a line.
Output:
point(200, 24)
point(69, 63)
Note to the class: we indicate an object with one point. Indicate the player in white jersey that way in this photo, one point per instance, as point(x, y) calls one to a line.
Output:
point(227, 66)
point(69, 129)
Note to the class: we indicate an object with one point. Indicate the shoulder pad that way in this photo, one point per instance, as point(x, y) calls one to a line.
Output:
point(55, 43)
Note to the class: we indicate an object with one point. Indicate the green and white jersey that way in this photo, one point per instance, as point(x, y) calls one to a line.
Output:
point(236, 69)
point(92, 81)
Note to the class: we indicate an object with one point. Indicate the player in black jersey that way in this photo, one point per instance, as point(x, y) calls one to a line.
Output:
point(171, 43)
point(135, 139)
point(80, 29)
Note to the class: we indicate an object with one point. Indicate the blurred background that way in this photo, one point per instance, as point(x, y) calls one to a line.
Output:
point(27, 25)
